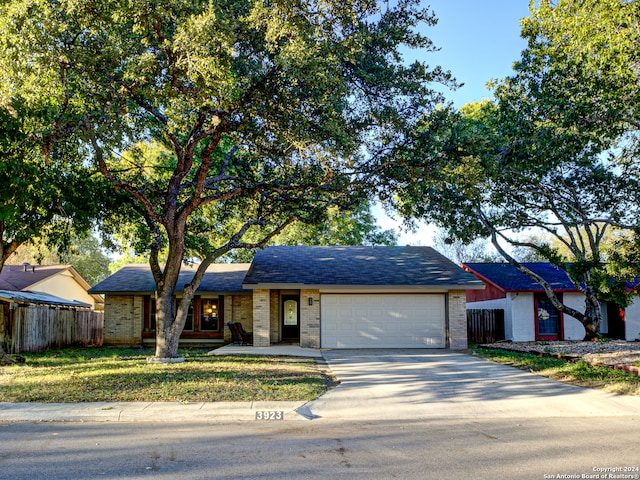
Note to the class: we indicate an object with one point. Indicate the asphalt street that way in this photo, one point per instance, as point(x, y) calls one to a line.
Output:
point(396, 414)
point(516, 448)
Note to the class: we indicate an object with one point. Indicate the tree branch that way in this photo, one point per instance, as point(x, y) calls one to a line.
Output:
point(561, 307)
point(104, 169)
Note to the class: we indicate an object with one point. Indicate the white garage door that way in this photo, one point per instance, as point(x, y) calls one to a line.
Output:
point(382, 321)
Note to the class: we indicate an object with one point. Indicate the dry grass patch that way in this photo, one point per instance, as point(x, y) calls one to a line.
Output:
point(123, 375)
point(576, 373)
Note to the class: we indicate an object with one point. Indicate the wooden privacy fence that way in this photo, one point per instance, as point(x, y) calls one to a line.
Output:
point(485, 326)
point(33, 329)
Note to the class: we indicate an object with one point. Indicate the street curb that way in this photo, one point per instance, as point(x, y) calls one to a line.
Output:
point(163, 412)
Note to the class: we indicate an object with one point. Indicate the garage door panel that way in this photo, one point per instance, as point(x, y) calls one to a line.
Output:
point(382, 321)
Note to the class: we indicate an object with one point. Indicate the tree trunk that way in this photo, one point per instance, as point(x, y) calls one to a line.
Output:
point(5, 359)
point(169, 320)
point(167, 332)
point(593, 315)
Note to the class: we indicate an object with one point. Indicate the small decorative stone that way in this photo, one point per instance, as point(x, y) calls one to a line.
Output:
point(165, 360)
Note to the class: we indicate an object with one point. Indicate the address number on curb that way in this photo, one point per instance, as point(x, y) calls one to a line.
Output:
point(269, 415)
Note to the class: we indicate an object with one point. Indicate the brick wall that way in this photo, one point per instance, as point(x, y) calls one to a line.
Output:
point(310, 319)
point(228, 317)
point(457, 320)
point(242, 311)
point(123, 320)
point(261, 317)
point(238, 308)
point(274, 316)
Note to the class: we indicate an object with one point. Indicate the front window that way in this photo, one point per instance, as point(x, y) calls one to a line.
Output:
point(188, 325)
point(548, 319)
point(204, 315)
point(149, 314)
point(209, 315)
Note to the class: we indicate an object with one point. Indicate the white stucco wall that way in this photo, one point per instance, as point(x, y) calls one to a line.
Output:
point(524, 323)
point(519, 316)
point(573, 329)
point(632, 320)
point(64, 285)
point(496, 304)
point(519, 322)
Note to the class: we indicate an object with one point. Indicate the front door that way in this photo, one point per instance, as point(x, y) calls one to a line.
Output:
point(291, 317)
point(548, 325)
point(615, 320)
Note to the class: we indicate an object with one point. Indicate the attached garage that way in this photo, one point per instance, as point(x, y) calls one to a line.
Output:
point(383, 321)
point(358, 297)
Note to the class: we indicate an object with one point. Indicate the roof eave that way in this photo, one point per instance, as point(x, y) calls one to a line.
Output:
point(122, 293)
point(541, 290)
point(177, 292)
point(325, 286)
point(483, 278)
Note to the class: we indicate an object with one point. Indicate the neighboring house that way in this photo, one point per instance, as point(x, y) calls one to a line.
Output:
point(47, 306)
point(317, 297)
point(60, 281)
point(529, 314)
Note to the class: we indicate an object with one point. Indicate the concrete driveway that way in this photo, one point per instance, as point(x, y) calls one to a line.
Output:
point(423, 384)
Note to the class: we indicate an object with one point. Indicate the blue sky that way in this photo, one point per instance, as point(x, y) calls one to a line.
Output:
point(479, 41)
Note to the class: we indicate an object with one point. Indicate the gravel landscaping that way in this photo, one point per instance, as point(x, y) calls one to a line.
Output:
point(614, 353)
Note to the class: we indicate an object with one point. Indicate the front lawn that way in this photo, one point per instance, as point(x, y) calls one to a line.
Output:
point(123, 375)
point(576, 373)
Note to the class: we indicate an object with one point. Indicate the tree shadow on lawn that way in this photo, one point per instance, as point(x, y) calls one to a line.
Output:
point(108, 376)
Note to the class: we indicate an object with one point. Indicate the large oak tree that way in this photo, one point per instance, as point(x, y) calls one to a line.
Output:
point(556, 150)
point(227, 121)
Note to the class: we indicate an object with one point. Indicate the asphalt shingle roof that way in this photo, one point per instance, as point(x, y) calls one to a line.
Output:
point(355, 265)
point(19, 277)
point(510, 279)
point(139, 279)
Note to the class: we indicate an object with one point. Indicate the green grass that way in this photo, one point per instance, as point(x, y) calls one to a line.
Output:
point(576, 373)
point(123, 375)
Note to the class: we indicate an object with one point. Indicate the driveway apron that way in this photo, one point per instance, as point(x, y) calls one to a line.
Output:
point(423, 384)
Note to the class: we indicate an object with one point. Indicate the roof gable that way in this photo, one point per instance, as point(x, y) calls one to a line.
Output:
point(509, 279)
point(356, 265)
point(21, 277)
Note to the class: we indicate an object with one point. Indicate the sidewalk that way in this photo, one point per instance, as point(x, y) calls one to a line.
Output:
point(162, 412)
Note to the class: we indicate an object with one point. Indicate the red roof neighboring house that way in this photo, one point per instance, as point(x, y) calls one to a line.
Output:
point(528, 313)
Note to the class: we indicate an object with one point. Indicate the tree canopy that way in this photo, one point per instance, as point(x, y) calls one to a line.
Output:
point(84, 253)
point(225, 122)
point(44, 193)
point(555, 150)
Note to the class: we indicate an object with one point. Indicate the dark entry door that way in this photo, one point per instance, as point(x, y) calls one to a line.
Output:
point(615, 319)
point(291, 317)
point(547, 319)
